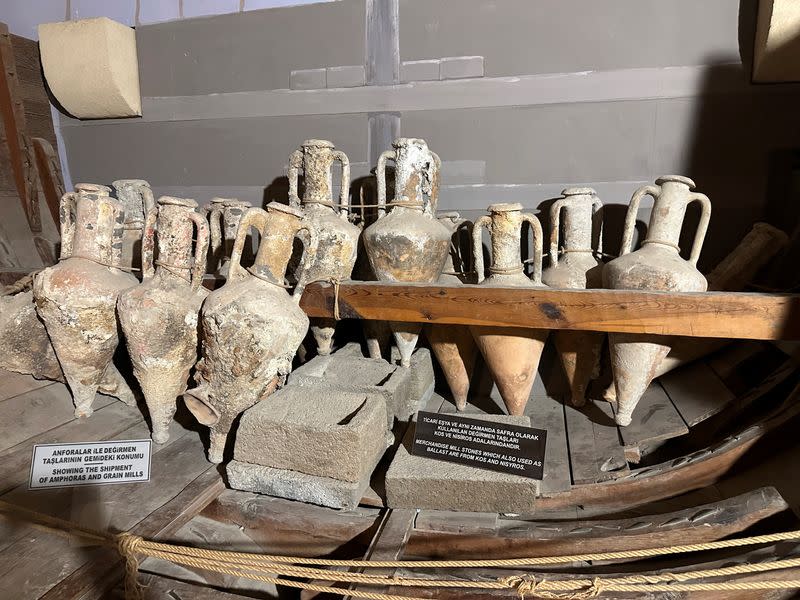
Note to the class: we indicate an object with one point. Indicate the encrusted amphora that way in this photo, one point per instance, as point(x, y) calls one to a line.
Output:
point(137, 201)
point(251, 326)
point(453, 345)
point(337, 238)
point(575, 264)
point(657, 265)
point(408, 243)
point(511, 353)
point(224, 215)
point(732, 274)
point(160, 316)
point(77, 298)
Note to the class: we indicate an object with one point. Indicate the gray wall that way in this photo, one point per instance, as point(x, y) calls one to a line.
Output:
point(610, 94)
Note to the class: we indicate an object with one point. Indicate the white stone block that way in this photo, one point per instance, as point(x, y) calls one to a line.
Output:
point(91, 67)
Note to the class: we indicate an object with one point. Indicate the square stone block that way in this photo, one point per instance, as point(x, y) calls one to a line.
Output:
point(425, 483)
point(349, 76)
point(404, 389)
point(308, 79)
point(461, 67)
point(284, 483)
point(316, 431)
point(419, 70)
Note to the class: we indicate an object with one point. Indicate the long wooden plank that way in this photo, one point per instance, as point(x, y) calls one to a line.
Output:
point(595, 451)
point(696, 391)
point(655, 419)
point(434, 534)
point(547, 413)
point(38, 410)
point(107, 423)
point(13, 384)
point(712, 314)
point(95, 578)
point(38, 560)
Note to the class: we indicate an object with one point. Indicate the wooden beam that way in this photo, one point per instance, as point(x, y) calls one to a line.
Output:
point(713, 314)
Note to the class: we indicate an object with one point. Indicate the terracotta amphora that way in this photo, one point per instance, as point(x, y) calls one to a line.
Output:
point(137, 200)
point(408, 244)
point(755, 250)
point(224, 215)
point(159, 317)
point(657, 265)
point(77, 298)
point(575, 264)
point(511, 353)
point(251, 326)
point(213, 213)
point(337, 238)
point(453, 345)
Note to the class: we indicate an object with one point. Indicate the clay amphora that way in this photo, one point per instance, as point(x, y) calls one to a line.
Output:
point(137, 201)
point(337, 238)
point(77, 298)
point(213, 212)
point(576, 265)
point(453, 345)
point(657, 265)
point(251, 326)
point(159, 317)
point(408, 244)
point(511, 353)
point(755, 250)
point(223, 218)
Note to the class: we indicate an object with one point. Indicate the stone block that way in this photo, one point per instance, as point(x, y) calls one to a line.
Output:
point(91, 67)
point(420, 70)
point(308, 79)
point(325, 433)
point(347, 369)
point(461, 67)
point(284, 483)
point(344, 77)
point(420, 482)
point(421, 386)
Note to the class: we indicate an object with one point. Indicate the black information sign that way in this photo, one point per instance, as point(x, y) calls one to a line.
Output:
point(484, 444)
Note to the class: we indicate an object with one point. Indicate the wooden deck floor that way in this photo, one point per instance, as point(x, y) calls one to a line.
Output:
point(186, 500)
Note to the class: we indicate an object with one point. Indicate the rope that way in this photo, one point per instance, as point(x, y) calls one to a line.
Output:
point(506, 270)
point(20, 285)
point(177, 270)
point(665, 243)
point(252, 566)
point(99, 262)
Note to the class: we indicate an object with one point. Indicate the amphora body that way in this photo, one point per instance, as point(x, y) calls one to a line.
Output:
point(574, 264)
point(755, 250)
point(657, 265)
point(408, 244)
point(159, 317)
point(453, 345)
point(137, 200)
point(337, 238)
point(251, 326)
point(511, 353)
point(224, 215)
point(77, 298)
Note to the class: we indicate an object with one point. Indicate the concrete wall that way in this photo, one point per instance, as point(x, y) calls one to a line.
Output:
point(519, 97)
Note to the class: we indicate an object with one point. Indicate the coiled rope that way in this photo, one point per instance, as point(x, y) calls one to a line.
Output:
point(274, 569)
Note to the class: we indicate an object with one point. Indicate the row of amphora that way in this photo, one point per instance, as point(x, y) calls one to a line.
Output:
point(167, 358)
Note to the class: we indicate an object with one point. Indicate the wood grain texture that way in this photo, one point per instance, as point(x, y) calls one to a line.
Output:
point(456, 536)
point(595, 451)
point(717, 314)
point(655, 419)
point(696, 391)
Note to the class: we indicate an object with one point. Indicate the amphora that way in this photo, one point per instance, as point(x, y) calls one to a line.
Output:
point(224, 215)
point(137, 200)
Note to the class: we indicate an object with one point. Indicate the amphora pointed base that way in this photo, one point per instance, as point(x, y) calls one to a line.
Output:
point(323, 329)
point(456, 351)
point(512, 355)
point(635, 360)
point(405, 337)
point(579, 352)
